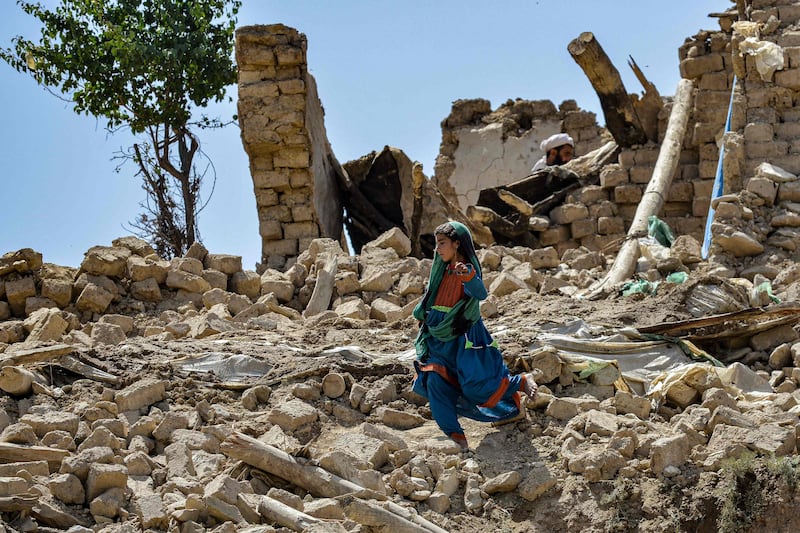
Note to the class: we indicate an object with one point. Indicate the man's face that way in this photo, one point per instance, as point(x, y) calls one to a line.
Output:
point(559, 156)
point(565, 153)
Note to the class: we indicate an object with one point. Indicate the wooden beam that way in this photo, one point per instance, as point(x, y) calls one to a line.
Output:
point(316, 480)
point(621, 118)
point(417, 185)
point(653, 198)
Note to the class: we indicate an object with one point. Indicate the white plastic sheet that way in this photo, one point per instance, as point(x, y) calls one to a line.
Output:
point(769, 56)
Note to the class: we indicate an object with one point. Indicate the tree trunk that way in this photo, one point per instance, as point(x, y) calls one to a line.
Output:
point(36, 355)
point(323, 288)
point(649, 106)
point(188, 188)
point(18, 453)
point(373, 515)
point(621, 118)
point(279, 513)
point(653, 198)
point(417, 183)
point(316, 480)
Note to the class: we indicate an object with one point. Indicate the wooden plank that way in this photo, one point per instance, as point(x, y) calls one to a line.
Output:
point(653, 198)
point(621, 119)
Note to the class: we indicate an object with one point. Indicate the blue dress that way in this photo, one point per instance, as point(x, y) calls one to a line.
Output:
point(466, 376)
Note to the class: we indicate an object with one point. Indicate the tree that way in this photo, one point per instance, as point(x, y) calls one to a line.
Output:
point(145, 65)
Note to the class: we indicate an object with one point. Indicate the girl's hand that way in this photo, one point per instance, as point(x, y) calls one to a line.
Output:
point(462, 269)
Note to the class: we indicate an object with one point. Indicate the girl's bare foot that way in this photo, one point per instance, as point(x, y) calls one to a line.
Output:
point(529, 386)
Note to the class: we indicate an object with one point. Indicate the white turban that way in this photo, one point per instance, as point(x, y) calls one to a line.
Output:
point(554, 141)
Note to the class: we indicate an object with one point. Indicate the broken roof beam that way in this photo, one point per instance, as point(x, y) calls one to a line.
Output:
point(621, 118)
point(657, 188)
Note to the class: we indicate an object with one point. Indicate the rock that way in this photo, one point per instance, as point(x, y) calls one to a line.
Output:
point(473, 499)
point(781, 356)
point(386, 311)
point(774, 173)
point(768, 439)
point(106, 261)
point(565, 408)
point(672, 450)
point(215, 278)
point(505, 284)
point(714, 397)
point(766, 340)
point(686, 249)
point(67, 488)
point(108, 504)
point(179, 279)
point(356, 469)
point(43, 423)
point(140, 394)
point(136, 245)
point(365, 448)
point(247, 283)
point(17, 291)
point(625, 402)
point(104, 333)
point(395, 239)
point(151, 512)
point(57, 290)
point(141, 269)
point(740, 244)
point(681, 394)
point(601, 423)
point(146, 290)
point(400, 419)
point(275, 282)
point(48, 326)
point(94, 298)
point(505, 482)
point(764, 188)
point(103, 477)
point(227, 264)
point(292, 414)
point(538, 481)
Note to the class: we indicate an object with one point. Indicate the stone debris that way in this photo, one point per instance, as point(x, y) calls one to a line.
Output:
point(101, 428)
point(135, 454)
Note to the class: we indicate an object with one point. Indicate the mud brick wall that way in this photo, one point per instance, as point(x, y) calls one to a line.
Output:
point(765, 127)
point(483, 148)
point(283, 134)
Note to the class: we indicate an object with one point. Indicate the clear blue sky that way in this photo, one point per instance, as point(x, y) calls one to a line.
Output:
point(387, 73)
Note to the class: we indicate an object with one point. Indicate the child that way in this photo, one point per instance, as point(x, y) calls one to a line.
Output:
point(459, 367)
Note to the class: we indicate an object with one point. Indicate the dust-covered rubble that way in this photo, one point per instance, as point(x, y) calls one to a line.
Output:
point(147, 393)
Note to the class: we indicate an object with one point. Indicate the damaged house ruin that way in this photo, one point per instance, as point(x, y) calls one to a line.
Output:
point(303, 192)
point(192, 394)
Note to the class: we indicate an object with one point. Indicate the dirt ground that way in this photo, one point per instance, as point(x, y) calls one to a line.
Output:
point(297, 352)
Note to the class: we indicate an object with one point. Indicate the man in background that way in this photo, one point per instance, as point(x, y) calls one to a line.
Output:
point(558, 149)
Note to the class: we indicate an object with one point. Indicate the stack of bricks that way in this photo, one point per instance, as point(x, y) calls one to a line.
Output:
point(765, 124)
point(273, 91)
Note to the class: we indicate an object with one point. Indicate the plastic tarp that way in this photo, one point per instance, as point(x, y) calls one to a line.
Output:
point(232, 368)
point(769, 56)
point(649, 367)
point(639, 362)
point(737, 379)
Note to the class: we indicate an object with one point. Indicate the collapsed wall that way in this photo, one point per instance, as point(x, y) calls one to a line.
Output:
point(482, 148)
point(294, 170)
point(283, 132)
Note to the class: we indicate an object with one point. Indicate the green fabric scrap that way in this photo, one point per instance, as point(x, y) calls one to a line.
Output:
point(660, 231)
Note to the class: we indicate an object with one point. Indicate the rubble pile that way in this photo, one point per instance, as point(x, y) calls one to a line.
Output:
point(107, 421)
point(766, 212)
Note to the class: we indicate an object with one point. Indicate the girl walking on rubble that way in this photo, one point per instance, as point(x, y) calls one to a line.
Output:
point(460, 369)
